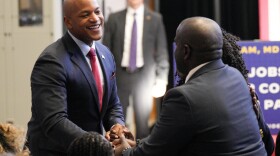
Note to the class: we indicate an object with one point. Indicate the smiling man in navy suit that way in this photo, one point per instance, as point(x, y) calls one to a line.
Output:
point(66, 101)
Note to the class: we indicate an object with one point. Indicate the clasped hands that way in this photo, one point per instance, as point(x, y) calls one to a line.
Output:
point(121, 138)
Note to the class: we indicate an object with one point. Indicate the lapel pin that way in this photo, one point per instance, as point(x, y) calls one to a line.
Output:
point(103, 56)
point(148, 17)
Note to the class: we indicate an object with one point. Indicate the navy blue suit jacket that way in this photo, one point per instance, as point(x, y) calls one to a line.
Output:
point(64, 97)
point(210, 115)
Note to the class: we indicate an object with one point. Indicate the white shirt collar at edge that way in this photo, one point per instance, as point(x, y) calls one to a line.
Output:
point(194, 70)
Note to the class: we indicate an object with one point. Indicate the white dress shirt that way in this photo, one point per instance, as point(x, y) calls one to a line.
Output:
point(127, 36)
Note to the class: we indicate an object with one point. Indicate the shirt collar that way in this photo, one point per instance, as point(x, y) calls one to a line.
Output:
point(194, 70)
point(84, 47)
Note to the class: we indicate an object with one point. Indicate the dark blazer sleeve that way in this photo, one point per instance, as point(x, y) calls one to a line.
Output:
point(114, 113)
point(168, 137)
point(49, 98)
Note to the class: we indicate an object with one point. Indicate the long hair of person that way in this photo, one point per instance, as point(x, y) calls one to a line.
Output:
point(232, 53)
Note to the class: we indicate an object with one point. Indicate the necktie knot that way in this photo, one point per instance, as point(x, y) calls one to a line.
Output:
point(91, 53)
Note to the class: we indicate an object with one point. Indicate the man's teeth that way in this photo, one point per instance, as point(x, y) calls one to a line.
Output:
point(94, 27)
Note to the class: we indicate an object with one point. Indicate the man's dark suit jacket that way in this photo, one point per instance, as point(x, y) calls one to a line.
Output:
point(210, 115)
point(64, 97)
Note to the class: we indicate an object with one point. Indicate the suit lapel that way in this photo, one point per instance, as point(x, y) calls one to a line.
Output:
point(102, 60)
point(78, 58)
point(147, 19)
point(147, 22)
point(121, 22)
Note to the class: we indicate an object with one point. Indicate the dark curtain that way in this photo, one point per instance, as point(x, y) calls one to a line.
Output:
point(239, 17)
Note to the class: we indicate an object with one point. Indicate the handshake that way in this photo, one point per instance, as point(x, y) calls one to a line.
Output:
point(121, 139)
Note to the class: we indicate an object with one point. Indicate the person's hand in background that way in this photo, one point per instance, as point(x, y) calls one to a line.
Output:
point(159, 88)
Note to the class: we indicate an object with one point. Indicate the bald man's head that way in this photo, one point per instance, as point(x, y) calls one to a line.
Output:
point(198, 40)
point(202, 34)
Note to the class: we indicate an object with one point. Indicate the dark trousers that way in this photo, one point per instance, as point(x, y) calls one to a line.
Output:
point(138, 86)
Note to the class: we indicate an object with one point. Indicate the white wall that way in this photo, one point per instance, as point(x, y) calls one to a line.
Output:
point(20, 46)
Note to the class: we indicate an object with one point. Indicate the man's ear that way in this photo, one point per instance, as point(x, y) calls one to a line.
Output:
point(67, 22)
point(187, 52)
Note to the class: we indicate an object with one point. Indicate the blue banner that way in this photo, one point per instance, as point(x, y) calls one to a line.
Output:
point(262, 59)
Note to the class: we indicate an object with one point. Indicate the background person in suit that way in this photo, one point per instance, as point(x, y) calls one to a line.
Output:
point(209, 114)
point(151, 74)
point(65, 94)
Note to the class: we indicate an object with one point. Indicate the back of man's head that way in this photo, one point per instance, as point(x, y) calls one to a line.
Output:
point(203, 36)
